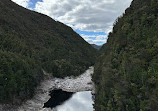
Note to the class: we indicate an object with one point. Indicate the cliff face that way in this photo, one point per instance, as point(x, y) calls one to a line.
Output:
point(30, 42)
point(126, 75)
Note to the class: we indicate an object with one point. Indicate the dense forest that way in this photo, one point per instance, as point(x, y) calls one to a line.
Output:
point(126, 74)
point(30, 43)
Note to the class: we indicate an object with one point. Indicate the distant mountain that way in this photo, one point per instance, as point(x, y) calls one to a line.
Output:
point(31, 42)
point(96, 46)
point(126, 75)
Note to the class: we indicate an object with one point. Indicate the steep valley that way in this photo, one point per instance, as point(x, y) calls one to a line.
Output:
point(39, 55)
point(31, 44)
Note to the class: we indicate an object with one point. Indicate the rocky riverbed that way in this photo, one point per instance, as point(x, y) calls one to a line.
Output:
point(70, 84)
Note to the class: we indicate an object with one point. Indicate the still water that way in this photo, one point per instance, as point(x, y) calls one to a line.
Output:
point(67, 101)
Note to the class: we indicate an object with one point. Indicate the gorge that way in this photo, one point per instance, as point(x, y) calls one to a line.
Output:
point(43, 60)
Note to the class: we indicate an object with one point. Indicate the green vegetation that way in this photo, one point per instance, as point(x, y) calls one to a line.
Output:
point(126, 75)
point(30, 42)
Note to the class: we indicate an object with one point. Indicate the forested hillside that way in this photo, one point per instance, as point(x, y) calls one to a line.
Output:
point(31, 42)
point(126, 75)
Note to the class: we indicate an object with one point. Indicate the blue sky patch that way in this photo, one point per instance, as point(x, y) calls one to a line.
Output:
point(89, 32)
point(33, 3)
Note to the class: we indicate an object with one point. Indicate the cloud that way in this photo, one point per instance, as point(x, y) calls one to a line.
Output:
point(98, 42)
point(94, 36)
point(95, 39)
point(87, 15)
point(23, 3)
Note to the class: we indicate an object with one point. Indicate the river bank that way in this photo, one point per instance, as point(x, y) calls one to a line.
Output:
point(70, 84)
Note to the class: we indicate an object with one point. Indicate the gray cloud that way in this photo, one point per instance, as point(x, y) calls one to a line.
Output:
point(87, 15)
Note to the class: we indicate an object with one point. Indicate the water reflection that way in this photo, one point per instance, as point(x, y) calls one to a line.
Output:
point(80, 101)
point(57, 98)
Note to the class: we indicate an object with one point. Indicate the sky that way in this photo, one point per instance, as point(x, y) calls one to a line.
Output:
point(92, 19)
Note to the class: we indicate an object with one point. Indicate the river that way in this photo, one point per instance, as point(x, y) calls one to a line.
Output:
point(80, 101)
point(68, 101)
point(82, 88)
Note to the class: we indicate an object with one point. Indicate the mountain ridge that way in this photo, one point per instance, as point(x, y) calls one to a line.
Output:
point(126, 73)
point(98, 47)
point(30, 42)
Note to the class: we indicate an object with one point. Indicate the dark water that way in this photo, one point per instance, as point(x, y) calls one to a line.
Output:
point(57, 98)
point(67, 101)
